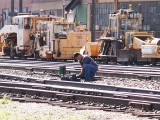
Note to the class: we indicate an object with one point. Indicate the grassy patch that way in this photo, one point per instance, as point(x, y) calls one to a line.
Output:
point(4, 100)
point(10, 111)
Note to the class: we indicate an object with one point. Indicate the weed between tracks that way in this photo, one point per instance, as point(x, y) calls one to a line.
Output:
point(9, 110)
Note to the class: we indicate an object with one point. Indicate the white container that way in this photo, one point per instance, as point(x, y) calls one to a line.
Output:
point(149, 49)
point(155, 41)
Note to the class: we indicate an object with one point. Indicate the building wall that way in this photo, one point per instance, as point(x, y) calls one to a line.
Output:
point(150, 11)
point(43, 1)
point(56, 7)
point(6, 5)
point(107, 1)
point(102, 15)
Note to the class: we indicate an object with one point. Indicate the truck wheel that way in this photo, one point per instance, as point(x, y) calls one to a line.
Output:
point(105, 61)
point(36, 55)
point(153, 61)
point(24, 57)
point(12, 53)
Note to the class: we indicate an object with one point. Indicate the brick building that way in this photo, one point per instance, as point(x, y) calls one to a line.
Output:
point(82, 11)
point(150, 10)
point(55, 6)
point(7, 6)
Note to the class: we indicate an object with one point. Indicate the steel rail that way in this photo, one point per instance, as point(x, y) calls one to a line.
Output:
point(77, 84)
point(81, 97)
point(135, 72)
point(110, 67)
point(69, 89)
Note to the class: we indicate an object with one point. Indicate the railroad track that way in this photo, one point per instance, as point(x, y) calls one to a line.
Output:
point(84, 92)
point(135, 72)
point(76, 94)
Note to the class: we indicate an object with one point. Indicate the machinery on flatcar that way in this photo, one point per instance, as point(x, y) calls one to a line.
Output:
point(122, 40)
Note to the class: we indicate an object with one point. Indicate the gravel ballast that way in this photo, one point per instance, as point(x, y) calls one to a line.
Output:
point(126, 82)
point(41, 110)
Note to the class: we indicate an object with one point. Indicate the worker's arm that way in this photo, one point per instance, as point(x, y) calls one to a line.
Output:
point(81, 75)
point(82, 71)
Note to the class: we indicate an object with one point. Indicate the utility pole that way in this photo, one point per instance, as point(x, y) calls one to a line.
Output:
point(20, 6)
point(93, 18)
point(12, 13)
point(12, 5)
point(115, 5)
point(63, 4)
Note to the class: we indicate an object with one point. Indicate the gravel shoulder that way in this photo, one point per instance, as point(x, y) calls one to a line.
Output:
point(43, 111)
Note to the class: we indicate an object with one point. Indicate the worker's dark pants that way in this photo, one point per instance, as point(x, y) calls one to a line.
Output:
point(89, 71)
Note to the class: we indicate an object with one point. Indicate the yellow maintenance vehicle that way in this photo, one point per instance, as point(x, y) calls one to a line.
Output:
point(17, 40)
point(60, 39)
point(122, 40)
point(42, 36)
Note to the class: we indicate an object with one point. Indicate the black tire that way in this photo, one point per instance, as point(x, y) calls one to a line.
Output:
point(24, 57)
point(12, 53)
point(105, 61)
point(153, 61)
point(36, 55)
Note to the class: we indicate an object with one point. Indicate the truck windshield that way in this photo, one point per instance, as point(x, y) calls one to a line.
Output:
point(131, 24)
point(114, 26)
point(62, 28)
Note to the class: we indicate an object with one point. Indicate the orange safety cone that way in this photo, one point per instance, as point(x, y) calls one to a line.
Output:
point(99, 68)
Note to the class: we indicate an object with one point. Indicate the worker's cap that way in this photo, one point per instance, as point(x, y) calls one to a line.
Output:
point(76, 55)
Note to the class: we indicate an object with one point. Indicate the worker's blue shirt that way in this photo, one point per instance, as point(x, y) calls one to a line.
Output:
point(88, 60)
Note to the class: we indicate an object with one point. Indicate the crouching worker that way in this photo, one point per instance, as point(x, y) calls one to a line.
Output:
point(89, 66)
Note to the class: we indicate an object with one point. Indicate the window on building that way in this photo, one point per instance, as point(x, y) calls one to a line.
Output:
point(5, 16)
point(81, 14)
point(16, 10)
point(24, 10)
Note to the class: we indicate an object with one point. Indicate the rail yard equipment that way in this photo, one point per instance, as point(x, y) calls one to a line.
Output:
point(151, 50)
point(17, 40)
point(122, 40)
point(42, 36)
point(60, 39)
